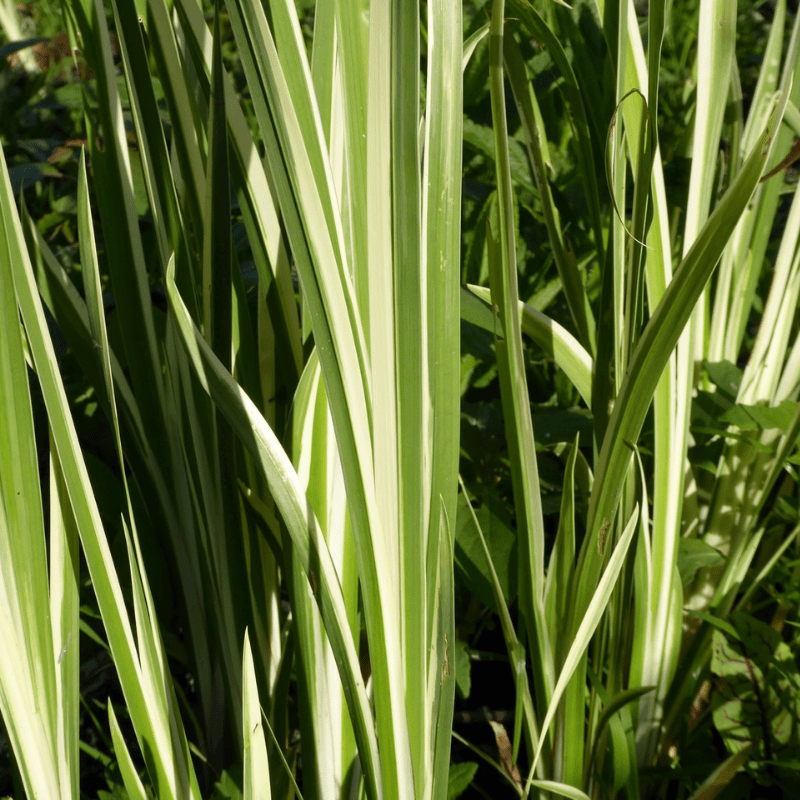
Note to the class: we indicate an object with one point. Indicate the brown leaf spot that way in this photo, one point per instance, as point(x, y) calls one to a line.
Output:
point(506, 753)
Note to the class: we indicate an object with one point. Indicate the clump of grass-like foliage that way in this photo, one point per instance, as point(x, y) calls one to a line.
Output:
point(366, 363)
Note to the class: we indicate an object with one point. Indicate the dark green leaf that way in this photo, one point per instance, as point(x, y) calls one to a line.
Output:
point(694, 554)
point(470, 557)
point(725, 376)
point(463, 670)
point(22, 176)
point(559, 425)
point(756, 697)
point(461, 776)
point(10, 48)
point(751, 418)
point(482, 139)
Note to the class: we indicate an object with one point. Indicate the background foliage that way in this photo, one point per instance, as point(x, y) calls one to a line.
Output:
point(481, 404)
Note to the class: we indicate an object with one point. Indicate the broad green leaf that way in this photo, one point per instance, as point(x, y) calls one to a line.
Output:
point(760, 417)
point(758, 687)
point(470, 558)
point(23, 176)
point(694, 554)
point(460, 778)
point(725, 376)
point(463, 668)
point(480, 138)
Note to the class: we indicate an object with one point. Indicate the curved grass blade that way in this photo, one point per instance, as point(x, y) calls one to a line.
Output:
point(588, 625)
point(556, 341)
point(118, 213)
point(653, 352)
point(154, 741)
point(310, 547)
point(255, 191)
point(160, 705)
point(584, 151)
point(536, 141)
point(297, 154)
